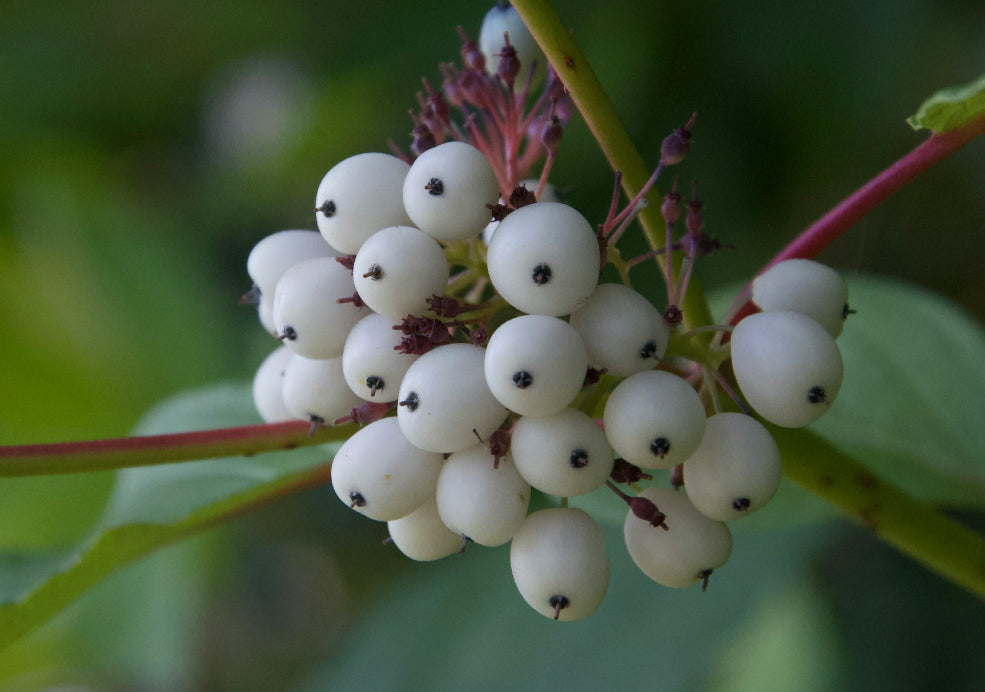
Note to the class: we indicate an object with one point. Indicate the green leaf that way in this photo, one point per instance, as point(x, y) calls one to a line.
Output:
point(154, 506)
point(951, 108)
point(911, 405)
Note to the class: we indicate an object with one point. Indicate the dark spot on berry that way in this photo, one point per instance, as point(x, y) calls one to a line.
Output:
point(328, 208)
point(411, 402)
point(816, 395)
point(558, 603)
point(356, 499)
point(649, 350)
point(522, 379)
point(541, 274)
point(375, 272)
point(435, 187)
point(660, 446)
point(375, 384)
point(741, 505)
point(578, 459)
point(289, 333)
point(846, 311)
point(704, 575)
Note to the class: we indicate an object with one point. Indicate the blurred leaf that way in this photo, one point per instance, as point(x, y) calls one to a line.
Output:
point(951, 108)
point(792, 641)
point(152, 507)
point(460, 624)
point(911, 405)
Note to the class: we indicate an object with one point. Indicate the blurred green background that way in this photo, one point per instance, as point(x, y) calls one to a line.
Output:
point(145, 147)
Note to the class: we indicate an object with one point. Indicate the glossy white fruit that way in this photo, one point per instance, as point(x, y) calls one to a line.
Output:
point(477, 499)
point(736, 469)
point(565, 454)
point(807, 287)
point(535, 364)
point(268, 387)
point(422, 536)
point(372, 367)
point(500, 20)
point(378, 473)
point(622, 330)
point(559, 563)
point(397, 269)
point(787, 365)
point(364, 193)
point(445, 401)
point(278, 252)
point(307, 312)
point(654, 419)
point(316, 389)
point(544, 259)
point(685, 554)
point(447, 189)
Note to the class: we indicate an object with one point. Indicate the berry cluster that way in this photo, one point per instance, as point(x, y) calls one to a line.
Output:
point(453, 309)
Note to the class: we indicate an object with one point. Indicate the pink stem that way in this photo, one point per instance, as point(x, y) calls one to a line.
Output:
point(853, 208)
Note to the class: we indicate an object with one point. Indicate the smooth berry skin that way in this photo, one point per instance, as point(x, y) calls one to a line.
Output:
point(422, 536)
point(389, 476)
point(506, 19)
point(787, 365)
point(372, 366)
point(804, 286)
point(692, 545)
point(479, 499)
point(560, 554)
point(446, 401)
point(736, 469)
point(623, 332)
point(447, 189)
point(654, 419)
point(366, 192)
point(541, 239)
point(535, 365)
point(268, 387)
point(278, 252)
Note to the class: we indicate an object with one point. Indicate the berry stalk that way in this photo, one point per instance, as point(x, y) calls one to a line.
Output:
point(124, 452)
point(940, 544)
point(600, 115)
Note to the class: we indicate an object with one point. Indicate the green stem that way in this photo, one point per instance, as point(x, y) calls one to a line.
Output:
point(942, 545)
point(951, 550)
point(599, 114)
point(124, 452)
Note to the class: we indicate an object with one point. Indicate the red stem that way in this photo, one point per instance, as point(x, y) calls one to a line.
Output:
point(121, 452)
point(854, 207)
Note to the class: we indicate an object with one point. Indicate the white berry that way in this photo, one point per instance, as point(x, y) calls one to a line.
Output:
point(807, 287)
point(315, 389)
point(373, 368)
point(422, 536)
point(736, 469)
point(559, 563)
point(787, 365)
point(268, 387)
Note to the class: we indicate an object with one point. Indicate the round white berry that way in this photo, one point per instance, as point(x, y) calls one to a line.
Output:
point(480, 500)
point(565, 454)
point(372, 367)
point(378, 473)
point(544, 259)
point(535, 364)
point(787, 365)
point(447, 189)
point(268, 387)
point(560, 564)
point(422, 536)
point(500, 20)
point(807, 287)
point(397, 269)
point(358, 197)
point(265, 311)
point(308, 316)
point(445, 401)
point(736, 469)
point(315, 390)
point(622, 330)
point(654, 419)
point(278, 252)
point(548, 194)
point(687, 552)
